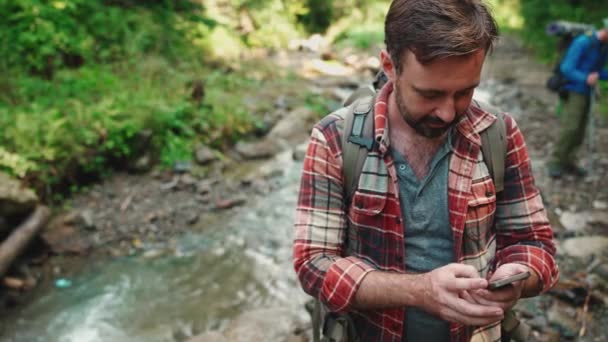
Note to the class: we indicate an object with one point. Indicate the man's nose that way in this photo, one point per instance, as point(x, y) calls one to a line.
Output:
point(447, 110)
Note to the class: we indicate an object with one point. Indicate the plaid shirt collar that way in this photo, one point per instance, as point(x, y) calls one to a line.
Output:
point(469, 125)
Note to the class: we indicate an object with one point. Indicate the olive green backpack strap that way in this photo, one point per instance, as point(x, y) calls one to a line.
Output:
point(494, 146)
point(357, 140)
point(363, 91)
point(494, 149)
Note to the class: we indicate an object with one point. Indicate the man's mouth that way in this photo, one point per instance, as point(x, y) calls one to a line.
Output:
point(435, 124)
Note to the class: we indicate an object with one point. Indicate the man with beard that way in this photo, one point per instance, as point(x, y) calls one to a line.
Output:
point(410, 254)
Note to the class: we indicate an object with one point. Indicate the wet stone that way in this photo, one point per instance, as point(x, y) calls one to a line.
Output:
point(585, 246)
point(564, 317)
point(204, 155)
point(299, 153)
point(572, 221)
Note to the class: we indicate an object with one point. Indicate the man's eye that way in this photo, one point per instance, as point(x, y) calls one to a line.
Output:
point(430, 95)
point(464, 93)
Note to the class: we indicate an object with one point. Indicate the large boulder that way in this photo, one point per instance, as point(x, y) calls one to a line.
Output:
point(14, 198)
point(67, 233)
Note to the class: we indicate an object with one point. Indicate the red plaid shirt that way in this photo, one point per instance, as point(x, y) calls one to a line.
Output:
point(335, 247)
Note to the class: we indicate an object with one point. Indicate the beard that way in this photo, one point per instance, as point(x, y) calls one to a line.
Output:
point(428, 126)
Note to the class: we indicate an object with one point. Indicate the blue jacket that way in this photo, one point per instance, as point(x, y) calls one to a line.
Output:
point(582, 58)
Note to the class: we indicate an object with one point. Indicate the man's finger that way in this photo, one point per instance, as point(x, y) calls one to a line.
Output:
point(468, 297)
point(464, 271)
point(475, 310)
point(504, 295)
point(476, 297)
point(460, 284)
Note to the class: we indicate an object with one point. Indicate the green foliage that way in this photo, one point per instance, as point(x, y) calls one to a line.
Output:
point(361, 27)
point(317, 16)
point(42, 36)
point(363, 37)
point(87, 86)
point(319, 104)
point(86, 120)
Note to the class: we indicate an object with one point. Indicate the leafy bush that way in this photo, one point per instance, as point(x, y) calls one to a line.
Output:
point(42, 36)
point(87, 86)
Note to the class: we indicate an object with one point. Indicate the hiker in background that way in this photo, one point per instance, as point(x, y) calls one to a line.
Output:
point(408, 256)
point(582, 66)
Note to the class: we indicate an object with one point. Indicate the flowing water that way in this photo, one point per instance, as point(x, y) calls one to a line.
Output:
point(241, 260)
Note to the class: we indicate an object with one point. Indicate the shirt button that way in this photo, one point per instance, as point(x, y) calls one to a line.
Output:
point(397, 220)
point(402, 167)
point(489, 193)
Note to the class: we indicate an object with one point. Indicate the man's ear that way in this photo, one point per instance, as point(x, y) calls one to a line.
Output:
point(388, 66)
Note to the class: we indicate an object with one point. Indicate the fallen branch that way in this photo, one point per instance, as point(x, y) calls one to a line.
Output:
point(21, 236)
point(583, 329)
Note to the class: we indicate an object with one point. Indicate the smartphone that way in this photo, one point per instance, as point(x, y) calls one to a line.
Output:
point(497, 284)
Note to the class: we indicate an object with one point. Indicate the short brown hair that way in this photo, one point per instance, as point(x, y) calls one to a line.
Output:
point(434, 29)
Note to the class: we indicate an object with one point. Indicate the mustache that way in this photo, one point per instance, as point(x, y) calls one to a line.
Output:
point(434, 120)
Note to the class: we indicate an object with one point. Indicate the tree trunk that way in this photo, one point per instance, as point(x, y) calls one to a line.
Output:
point(21, 236)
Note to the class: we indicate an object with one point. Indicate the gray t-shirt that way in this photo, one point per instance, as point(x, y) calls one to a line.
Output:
point(428, 236)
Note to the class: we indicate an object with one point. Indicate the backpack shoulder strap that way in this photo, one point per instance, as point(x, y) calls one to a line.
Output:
point(357, 140)
point(361, 92)
point(494, 145)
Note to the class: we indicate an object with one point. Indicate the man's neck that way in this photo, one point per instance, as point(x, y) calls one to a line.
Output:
point(399, 127)
point(417, 149)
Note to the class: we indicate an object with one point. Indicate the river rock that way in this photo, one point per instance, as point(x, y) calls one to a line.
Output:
point(65, 234)
point(328, 68)
point(281, 102)
point(299, 152)
point(86, 220)
point(599, 217)
point(256, 150)
point(574, 222)
point(262, 325)
point(14, 198)
point(141, 164)
point(564, 316)
point(600, 205)
point(298, 121)
point(182, 166)
point(228, 203)
point(204, 155)
point(585, 246)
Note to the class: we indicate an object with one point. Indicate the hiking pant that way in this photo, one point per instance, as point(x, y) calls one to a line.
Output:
point(574, 118)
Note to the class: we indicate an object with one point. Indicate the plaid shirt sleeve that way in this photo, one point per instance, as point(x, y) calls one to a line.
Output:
point(320, 225)
point(523, 231)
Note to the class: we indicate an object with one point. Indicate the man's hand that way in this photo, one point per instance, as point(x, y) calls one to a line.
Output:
point(504, 297)
point(441, 296)
point(593, 78)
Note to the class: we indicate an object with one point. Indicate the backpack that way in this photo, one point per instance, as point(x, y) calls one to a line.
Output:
point(360, 140)
point(357, 140)
point(567, 32)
